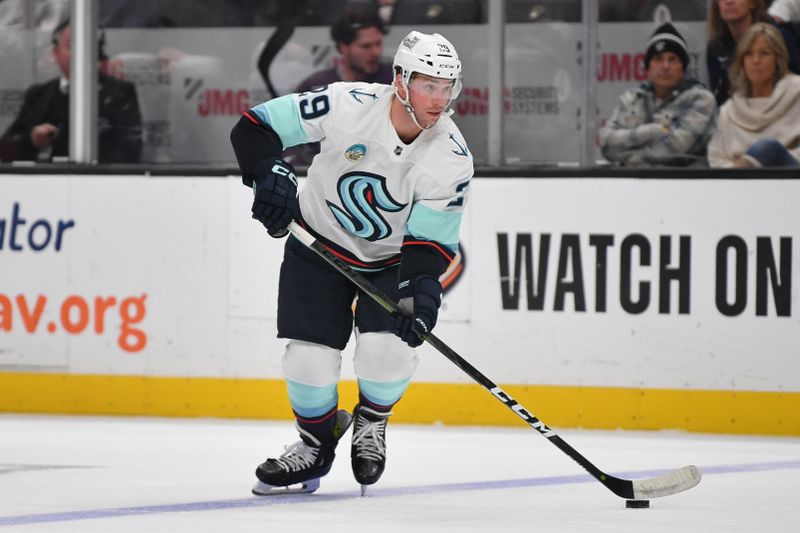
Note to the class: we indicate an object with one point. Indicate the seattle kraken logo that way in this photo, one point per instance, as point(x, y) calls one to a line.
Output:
point(363, 196)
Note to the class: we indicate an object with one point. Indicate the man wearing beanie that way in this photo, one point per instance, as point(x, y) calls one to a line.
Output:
point(669, 119)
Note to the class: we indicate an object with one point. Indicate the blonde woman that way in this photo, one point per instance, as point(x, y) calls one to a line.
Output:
point(728, 20)
point(760, 124)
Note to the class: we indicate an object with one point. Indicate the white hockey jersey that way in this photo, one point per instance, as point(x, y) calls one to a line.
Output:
point(367, 192)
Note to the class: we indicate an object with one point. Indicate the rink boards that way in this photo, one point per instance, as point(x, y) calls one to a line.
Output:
point(602, 302)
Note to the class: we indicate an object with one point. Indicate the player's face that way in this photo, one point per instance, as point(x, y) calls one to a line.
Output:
point(61, 50)
point(760, 63)
point(665, 71)
point(429, 97)
point(364, 53)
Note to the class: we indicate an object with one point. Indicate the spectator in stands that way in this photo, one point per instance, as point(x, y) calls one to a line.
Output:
point(358, 36)
point(728, 20)
point(41, 129)
point(669, 119)
point(784, 11)
point(759, 125)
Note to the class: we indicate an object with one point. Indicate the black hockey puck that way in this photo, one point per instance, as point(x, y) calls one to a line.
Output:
point(637, 504)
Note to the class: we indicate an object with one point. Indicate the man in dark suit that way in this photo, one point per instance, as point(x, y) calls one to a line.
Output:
point(41, 129)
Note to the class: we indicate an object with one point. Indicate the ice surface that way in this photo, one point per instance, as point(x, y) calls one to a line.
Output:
point(98, 474)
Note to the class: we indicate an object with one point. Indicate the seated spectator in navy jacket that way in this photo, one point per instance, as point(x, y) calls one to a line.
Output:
point(669, 119)
point(759, 126)
point(41, 129)
point(727, 22)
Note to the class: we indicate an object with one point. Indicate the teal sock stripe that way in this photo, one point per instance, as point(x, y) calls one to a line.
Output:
point(381, 393)
point(310, 401)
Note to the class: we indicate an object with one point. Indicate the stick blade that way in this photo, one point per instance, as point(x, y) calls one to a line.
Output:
point(667, 484)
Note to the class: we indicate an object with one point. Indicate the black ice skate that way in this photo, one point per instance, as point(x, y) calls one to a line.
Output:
point(303, 462)
point(368, 453)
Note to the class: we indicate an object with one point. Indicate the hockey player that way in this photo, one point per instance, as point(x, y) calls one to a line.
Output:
point(385, 194)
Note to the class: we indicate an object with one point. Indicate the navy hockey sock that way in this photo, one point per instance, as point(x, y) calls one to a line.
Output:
point(321, 427)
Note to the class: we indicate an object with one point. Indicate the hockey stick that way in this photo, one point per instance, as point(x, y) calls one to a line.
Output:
point(638, 489)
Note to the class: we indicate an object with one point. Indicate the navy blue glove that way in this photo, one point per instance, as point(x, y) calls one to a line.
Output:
point(275, 203)
point(420, 299)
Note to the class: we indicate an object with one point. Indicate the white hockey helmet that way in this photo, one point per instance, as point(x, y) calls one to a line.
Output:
point(431, 55)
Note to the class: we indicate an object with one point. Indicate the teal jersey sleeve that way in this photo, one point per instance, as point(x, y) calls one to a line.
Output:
point(432, 224)
point(439, 219)
point(297, 118)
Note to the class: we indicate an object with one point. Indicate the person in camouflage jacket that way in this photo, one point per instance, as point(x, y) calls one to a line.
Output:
point(669, 120)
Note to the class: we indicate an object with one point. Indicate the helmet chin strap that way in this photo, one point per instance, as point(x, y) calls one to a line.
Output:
point(410, 109)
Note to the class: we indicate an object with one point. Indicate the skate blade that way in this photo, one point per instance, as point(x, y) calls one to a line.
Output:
point(306, 487)
point(364, 490)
